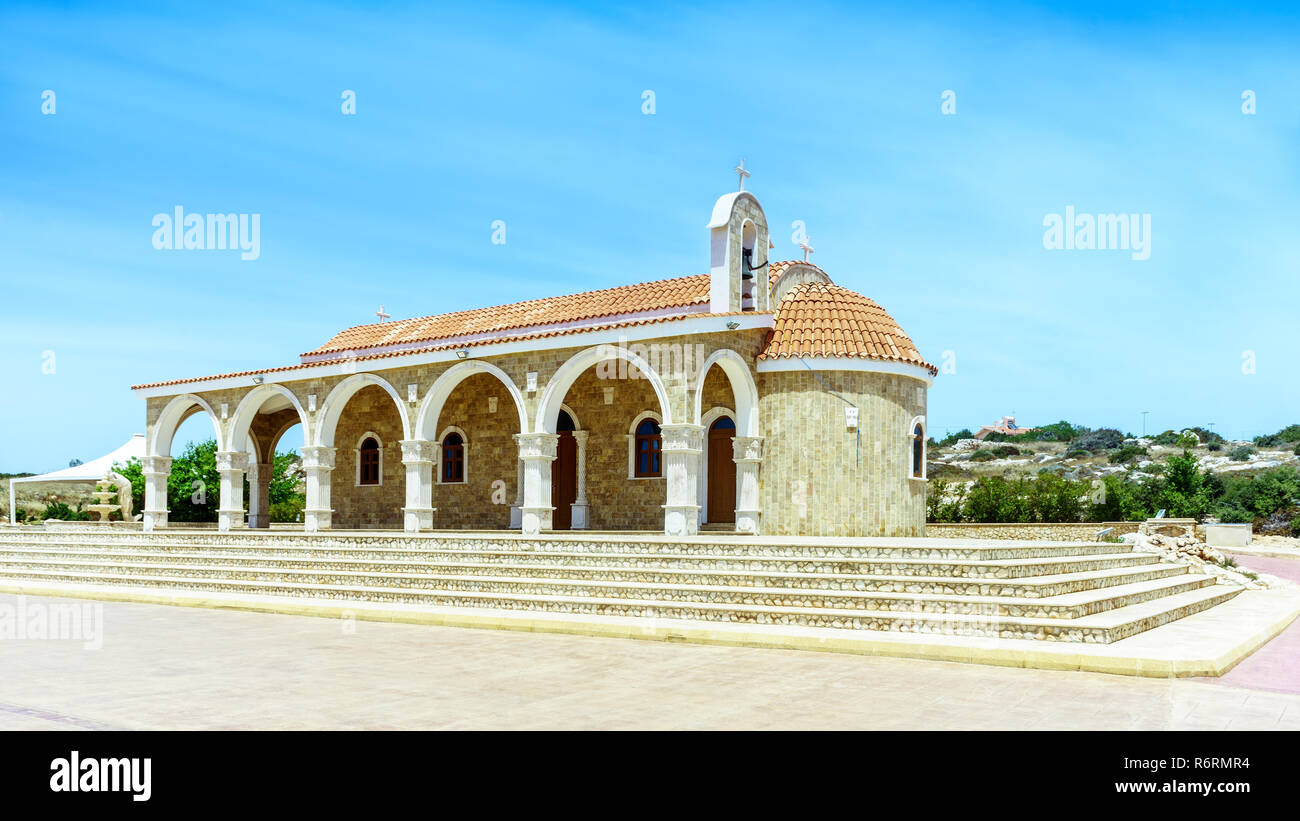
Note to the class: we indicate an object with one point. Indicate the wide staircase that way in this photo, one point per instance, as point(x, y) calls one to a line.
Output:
point(1077, 592)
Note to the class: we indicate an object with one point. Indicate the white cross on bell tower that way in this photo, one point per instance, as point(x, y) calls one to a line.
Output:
point(383, 317)
point(740, 170)
point(806, 245)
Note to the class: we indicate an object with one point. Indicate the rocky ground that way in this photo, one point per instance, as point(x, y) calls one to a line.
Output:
point(1208, 560)
point(959, 461)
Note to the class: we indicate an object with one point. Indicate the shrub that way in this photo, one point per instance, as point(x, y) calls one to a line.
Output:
point(1241, 453)
point(952, 438)
point(1075, 453)
point(289, 510)
point(1003, 451)
point(1214, 447)
point(1097, 440)
point(61, 511)
point(982, 455)
point(1126, 454)
point(1291, 433)
point(1295, 527)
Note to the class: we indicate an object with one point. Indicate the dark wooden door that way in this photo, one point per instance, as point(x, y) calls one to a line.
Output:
point(722, 472)
point(564, 481)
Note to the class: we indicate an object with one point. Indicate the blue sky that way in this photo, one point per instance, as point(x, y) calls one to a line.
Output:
point(480, 112)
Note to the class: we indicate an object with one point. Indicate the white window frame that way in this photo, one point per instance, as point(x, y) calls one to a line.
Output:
point(464, 438)
point(631, 446)
point(357, 454)
point(925, 448)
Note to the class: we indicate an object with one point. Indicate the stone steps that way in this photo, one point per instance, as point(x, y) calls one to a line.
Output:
point(1004, 568)
point(691, 573)
point(1057, 592)
point(1069, 605)
point(508, 544)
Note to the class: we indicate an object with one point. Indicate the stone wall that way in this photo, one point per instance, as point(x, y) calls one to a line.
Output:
point(362, 506)
point(816, 477)
point(484, 499)
point(1056, 532)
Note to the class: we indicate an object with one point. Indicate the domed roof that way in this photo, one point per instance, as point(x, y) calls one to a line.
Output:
point(823, 319)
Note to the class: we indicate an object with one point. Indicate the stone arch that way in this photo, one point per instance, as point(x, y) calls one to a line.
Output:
point(436, 399)
point(177, 411)
point(743, 388)
point(548, 410)
point(577, 423)
point(332, 409)
point(248, 409)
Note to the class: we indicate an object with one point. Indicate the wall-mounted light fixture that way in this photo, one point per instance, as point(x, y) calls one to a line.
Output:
point(259, 379)
point(733, 325)
point(462, 353)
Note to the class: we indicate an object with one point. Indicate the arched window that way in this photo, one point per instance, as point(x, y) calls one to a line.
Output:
point(368, 461)
point(918, 448)
point(646, 450)
point(453, 458)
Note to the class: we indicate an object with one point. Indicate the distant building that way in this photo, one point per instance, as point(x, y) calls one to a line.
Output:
point(1006, 425)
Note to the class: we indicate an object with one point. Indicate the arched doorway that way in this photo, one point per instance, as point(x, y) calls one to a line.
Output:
point(721, 471)
point(564, 474)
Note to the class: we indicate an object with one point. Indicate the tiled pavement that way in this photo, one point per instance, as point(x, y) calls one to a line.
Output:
point(1276, 666)
point(191, 668)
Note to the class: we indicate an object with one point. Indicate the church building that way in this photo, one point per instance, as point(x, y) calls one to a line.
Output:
point(759, 397)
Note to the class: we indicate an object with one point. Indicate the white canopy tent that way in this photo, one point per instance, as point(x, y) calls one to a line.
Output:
point(91, 471)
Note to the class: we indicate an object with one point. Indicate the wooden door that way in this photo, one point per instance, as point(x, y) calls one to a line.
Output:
point(722, 472)
point(564, 481)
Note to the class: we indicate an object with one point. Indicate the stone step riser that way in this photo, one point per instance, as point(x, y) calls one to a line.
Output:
point(867, 567)
point(945, 624)
point(738, 549)
point(803, 599)
point(695, 576)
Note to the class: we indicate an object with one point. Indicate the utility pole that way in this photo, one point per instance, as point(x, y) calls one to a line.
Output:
point(1144, 423)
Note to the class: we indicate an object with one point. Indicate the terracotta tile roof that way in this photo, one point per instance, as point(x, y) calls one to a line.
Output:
point(664, 295)
point(775, 270)
point(364, 357)
point(822, 319)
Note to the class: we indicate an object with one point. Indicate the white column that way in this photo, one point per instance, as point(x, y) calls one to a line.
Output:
point(748, 453)
point(682, 446)
point(231, 464)
point(517, 509)
point(417, 455)
point(156, 469)
point(537, 451)
point(581, 519)
point(317, 462)
point(259, 494)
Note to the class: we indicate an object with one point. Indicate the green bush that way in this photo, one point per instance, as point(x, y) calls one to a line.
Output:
point(61, 511)
point(1241, 453)
point(951, 438)
point(1291, 433)
point(1126, 454)
point(982, 455)
point(1098, 440)
point(1077, 454)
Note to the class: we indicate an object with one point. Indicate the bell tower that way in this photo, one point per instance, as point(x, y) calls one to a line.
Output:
point(738, 252)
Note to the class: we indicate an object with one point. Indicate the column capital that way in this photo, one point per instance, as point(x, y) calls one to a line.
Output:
point(156, 465)
point(581, 436)
point(319, 457)
point(538, 445)
point(232, 460)
point(416, 451)
point(682, 438)
point(747, 448)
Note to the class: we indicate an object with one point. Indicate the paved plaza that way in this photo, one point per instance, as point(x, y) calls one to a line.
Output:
point(191, 668)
